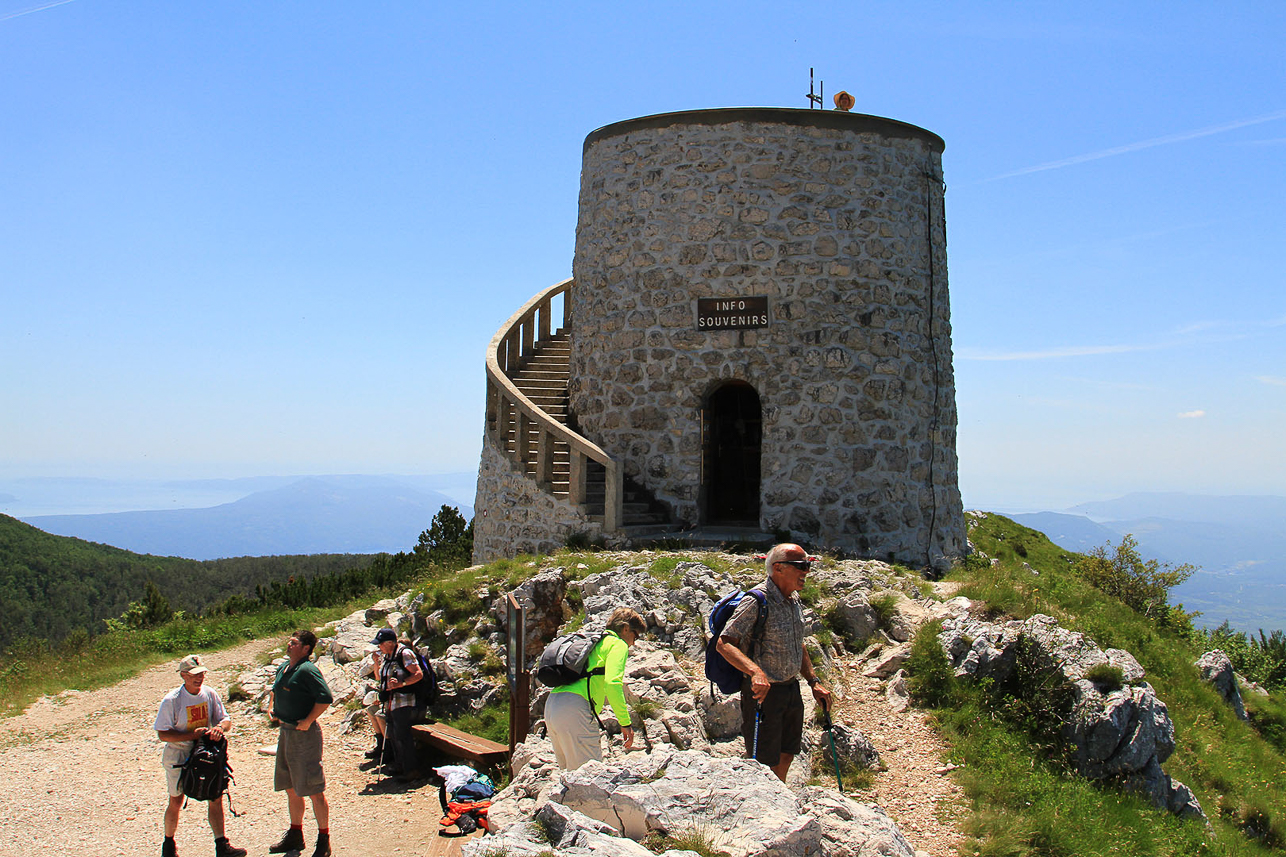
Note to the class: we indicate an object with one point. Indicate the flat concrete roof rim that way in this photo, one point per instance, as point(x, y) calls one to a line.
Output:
point(802, 117)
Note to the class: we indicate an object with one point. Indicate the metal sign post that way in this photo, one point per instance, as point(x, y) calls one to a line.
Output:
point(519, 679)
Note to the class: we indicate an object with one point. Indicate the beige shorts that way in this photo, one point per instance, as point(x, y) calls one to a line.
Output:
point(173, 755)
point(299, 761)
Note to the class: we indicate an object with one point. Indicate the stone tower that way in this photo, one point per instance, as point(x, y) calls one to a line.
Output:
point(757, 334)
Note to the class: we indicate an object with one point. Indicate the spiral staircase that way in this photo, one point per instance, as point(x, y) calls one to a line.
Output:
point(529, 420)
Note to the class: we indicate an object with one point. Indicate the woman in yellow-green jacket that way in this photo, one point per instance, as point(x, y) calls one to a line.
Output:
point(571, 710)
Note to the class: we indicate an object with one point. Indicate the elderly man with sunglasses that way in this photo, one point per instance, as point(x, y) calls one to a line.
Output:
point(773, 663)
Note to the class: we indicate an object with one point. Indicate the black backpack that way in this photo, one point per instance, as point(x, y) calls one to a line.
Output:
point(566, 659)
point(206, 773)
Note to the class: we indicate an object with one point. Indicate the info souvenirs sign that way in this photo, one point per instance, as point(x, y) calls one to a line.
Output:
point(731, 313)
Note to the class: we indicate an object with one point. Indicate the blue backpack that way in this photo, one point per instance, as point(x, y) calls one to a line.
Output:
point(722, 674)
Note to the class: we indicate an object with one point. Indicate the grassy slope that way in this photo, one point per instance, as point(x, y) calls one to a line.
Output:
point(1026, 802)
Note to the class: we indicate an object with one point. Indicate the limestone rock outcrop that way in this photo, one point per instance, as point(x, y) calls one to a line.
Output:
point(1216, 667)
point(1116, 730)
point(739, 806)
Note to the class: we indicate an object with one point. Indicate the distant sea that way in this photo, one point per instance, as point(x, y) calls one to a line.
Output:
point(35, 496)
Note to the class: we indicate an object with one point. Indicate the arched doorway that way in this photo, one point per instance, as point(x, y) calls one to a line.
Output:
point(732, 428)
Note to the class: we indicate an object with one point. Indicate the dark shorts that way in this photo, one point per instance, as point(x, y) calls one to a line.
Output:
point(299, 761)
point(781, 722)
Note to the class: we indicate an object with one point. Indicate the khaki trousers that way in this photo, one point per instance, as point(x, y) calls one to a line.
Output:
point(573, 730)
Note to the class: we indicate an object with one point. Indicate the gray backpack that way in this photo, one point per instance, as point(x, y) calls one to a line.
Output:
point(566, 659)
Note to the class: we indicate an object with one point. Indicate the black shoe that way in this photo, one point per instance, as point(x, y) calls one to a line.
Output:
point(292, 841)
point(375, 752)
point(168, 848)
point(224, 848)
point(323, 845)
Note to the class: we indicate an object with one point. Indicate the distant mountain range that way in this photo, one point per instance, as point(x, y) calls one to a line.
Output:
point(1238, 542)
point(331, 514)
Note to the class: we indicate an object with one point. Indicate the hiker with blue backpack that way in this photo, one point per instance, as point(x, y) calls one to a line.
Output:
point(188, 713)
point(764, 640)
point(596, 680)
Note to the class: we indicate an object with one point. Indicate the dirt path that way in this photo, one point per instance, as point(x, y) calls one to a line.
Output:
point(81, 774)
point(916, 790)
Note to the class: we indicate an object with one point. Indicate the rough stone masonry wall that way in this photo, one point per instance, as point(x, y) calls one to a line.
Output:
point(854, 375)
point(519, 517)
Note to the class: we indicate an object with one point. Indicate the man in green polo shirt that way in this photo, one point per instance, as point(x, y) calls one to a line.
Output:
point(299, 696)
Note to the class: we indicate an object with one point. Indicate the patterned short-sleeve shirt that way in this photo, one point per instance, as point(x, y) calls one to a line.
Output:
point(780, 654)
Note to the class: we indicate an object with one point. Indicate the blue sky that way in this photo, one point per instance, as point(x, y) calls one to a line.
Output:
point(240, 239)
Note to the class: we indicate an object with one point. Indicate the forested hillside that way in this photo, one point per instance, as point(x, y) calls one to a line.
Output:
point(51, 585)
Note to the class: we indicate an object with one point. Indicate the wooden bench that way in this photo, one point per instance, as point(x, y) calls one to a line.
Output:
point(453, 742)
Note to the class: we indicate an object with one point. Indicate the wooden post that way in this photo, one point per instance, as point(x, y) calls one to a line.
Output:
point(543, 310)
point(545, 459)
point(613, 498)
point(510, 415)
point(519, 680)
point(493, 414)
point(511, 354)
point(524, 437)
point(576, 478)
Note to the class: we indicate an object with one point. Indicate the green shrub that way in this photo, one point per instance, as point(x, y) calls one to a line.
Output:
point(931, 679)
point(1106, 677)
point(662, 568)
point(698, 839)
point(885, 606)
point(1123, 574)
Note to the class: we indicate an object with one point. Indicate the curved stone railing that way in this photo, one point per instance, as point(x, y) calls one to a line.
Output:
point(536, 432)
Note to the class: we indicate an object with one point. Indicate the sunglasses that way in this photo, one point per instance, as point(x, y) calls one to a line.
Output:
point(801, 564)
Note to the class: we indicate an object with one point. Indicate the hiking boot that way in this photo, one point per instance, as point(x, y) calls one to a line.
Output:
point(168, 848)
point(292, 841)
point(323, 845)
point(224, 848)
point(376, 751)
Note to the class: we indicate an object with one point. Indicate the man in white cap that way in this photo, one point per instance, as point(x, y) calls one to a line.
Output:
point(188, 712)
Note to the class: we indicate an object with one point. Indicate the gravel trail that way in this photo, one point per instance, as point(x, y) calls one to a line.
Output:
point(80, 773)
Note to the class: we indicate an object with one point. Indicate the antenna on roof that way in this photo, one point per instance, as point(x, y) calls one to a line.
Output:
point(815, 99)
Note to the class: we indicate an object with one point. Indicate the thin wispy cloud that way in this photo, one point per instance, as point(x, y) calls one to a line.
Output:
point(1052, 353)
point(1192, 415)
point(1272, 380)
point(1273, 141)
point(1198, 327)
point(1104, 383)
point(38, 8)
point(1181, 137)
point(1190, 336)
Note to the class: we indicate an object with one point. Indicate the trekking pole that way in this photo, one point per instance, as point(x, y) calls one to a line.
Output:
point(826, 721)
point(379, 768)
point(754, 746)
